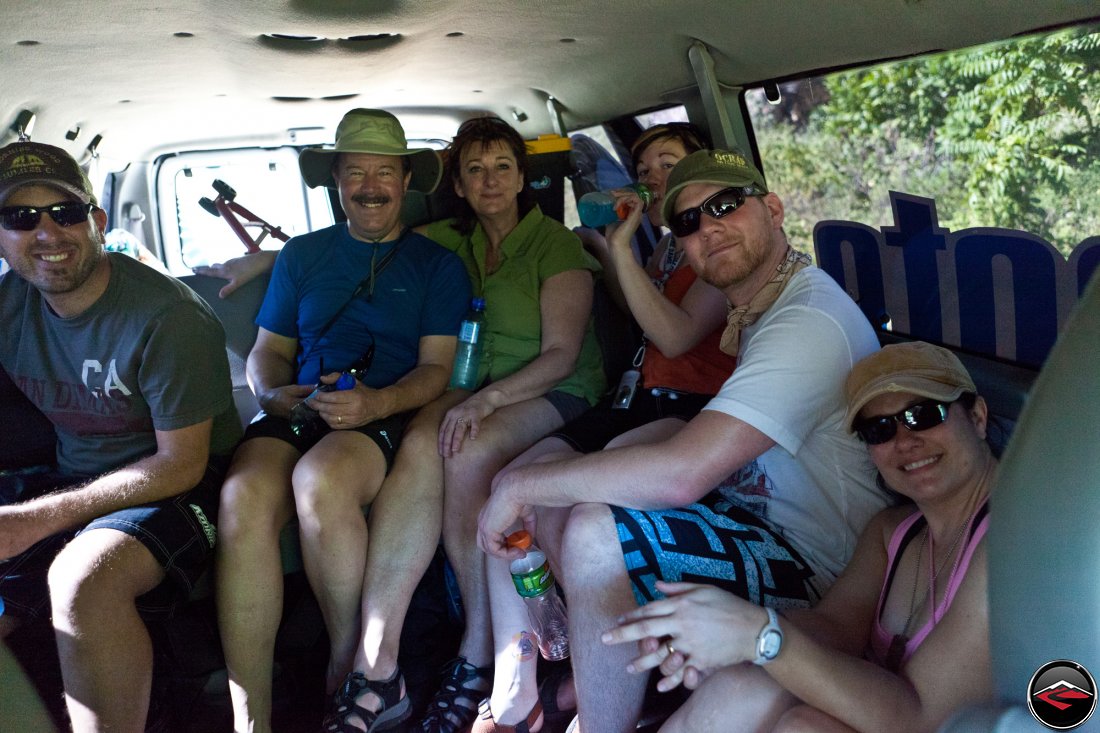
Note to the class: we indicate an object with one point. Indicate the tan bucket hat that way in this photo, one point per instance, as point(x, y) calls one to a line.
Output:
point(377, 132)
point(915, 367)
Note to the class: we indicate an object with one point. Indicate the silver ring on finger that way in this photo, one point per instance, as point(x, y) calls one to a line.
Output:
point(671, 649)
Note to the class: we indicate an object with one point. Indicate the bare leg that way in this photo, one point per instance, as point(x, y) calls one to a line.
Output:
point(405, 522)
point(598, 589)
point(805, 719)
point(255, 506)
point(332, 483)
point(105, 650)
point(468, 476)
point(743, 698)
point(517, 652)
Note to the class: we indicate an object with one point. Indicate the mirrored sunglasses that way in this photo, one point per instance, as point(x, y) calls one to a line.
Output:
point(723, 203)
point(921, 416)
point(26, 218)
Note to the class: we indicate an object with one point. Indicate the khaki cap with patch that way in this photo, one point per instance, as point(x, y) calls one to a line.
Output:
point(25, 162)
point(729, 168)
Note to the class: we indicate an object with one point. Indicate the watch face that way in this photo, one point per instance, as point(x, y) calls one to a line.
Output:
point(769, 647)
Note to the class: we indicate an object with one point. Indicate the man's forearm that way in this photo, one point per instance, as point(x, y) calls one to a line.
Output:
point(416, 389)
point(655, 475)
point(267, 372)
point(627, 476)
point(147, 480)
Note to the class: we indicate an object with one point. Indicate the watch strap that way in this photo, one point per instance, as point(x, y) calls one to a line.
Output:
point(770, 639)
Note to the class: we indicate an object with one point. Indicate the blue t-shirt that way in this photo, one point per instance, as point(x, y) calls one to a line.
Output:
point(422, 291)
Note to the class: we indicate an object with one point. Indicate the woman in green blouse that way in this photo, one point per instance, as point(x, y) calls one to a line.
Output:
point(540, 368)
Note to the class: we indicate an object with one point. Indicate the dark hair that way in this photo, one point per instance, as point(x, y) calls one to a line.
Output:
point(690, 136)
point(485, 131)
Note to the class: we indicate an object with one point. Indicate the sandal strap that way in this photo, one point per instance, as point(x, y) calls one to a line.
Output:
point(444, 713)
point(394, 706)
point(551, 686)
point(486, 723)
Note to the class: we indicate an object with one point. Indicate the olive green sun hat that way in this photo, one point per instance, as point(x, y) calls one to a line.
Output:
point(376, 132)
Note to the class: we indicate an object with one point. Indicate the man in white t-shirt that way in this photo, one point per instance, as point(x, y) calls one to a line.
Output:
point(794, 488)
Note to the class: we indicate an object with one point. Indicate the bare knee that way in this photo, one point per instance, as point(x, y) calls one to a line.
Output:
point(806, 719)
point(249, 507)
point(255, 497)
point(588, 539)
point(101, 572)
point(335, 479)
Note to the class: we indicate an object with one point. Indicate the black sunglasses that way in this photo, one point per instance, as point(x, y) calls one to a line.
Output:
point(723, 203)
point(25, 218)
point(921, 416)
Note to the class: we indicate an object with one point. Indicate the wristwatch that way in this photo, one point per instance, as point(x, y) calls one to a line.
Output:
point(770, 639)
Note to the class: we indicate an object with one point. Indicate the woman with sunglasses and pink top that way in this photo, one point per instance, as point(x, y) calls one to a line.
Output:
point(900, 641)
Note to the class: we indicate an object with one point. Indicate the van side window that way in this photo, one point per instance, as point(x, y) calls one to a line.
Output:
point(952, 195)
point(266, 182)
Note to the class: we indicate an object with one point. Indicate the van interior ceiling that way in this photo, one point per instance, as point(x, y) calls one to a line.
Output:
point(207, 75)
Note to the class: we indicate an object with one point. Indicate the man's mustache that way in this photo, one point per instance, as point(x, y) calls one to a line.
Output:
point(363, 199)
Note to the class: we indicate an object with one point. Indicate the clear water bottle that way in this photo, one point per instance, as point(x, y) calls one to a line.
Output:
point(598, 209)
point(535, 583)
point(304, 420)
point(468, 353)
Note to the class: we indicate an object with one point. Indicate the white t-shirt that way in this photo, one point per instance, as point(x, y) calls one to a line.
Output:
point(816, 485)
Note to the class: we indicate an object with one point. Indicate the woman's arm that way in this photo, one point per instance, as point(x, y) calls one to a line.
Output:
point(565, 305)
point(950, 669)
point(672, 328)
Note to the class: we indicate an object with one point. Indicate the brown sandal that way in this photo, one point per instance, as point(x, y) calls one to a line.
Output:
point(486, 724)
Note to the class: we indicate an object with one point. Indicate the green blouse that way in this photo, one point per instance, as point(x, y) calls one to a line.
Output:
point(537, 249)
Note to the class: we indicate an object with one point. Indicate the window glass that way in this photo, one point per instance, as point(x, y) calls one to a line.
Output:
point(267, 184)
point(661, 116)
point(1002, 135)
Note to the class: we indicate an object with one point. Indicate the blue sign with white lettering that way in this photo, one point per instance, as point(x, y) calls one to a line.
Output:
point(1000, 292)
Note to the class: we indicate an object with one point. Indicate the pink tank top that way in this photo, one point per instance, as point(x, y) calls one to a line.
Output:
point(908, 529)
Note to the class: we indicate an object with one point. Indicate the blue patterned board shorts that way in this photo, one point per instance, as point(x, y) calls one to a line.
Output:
point(716, 543)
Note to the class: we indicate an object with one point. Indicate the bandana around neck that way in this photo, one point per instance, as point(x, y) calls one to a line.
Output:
point(746, 315)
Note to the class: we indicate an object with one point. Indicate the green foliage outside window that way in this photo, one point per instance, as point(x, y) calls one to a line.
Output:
point(1002, 135)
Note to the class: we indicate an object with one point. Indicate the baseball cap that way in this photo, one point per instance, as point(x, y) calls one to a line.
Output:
point(730, 168)
point(24, 162)
point(915, 367)
point(376, 132)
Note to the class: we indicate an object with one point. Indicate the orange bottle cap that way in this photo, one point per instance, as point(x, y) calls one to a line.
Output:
point(520, 538)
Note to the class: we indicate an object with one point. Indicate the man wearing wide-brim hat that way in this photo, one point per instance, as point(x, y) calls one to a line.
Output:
point(371, 298)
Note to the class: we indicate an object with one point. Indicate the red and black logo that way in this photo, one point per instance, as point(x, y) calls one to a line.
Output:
point(1062, 695)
